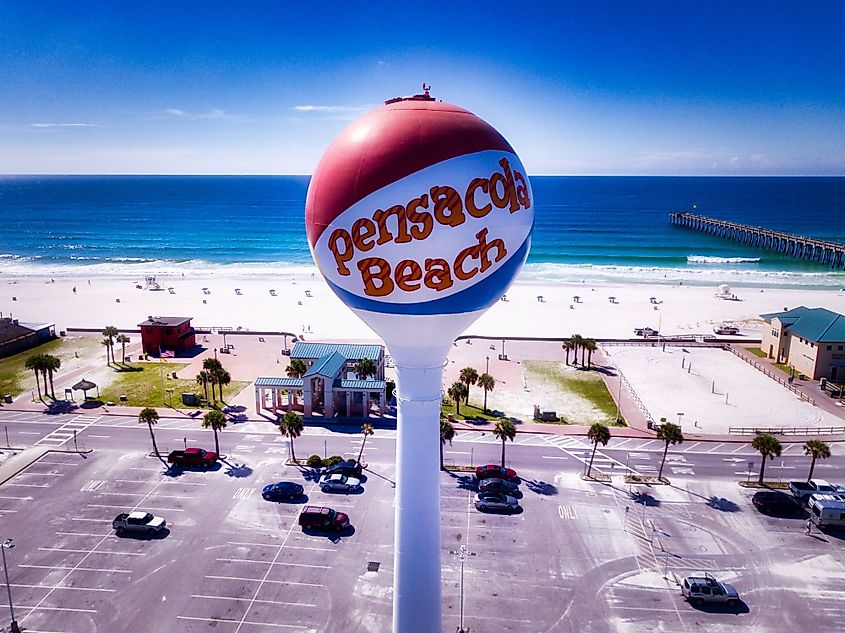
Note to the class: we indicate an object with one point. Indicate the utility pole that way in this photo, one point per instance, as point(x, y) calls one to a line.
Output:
point(463, 554)
point(9, 544)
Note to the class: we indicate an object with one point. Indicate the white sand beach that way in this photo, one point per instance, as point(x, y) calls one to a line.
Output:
point(303, 304)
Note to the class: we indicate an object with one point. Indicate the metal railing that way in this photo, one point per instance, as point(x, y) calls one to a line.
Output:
point(787, 430)
point(777, 376)
point(636, 398)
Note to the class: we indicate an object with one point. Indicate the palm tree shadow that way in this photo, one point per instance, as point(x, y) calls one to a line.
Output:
point(464, 482)
point(541, 487)
point(722, 504)
point(646, 499)
point(309, 474)
point(237, 470)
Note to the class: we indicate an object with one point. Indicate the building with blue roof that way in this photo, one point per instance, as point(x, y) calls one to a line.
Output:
point(330, 385)
point(811, 340)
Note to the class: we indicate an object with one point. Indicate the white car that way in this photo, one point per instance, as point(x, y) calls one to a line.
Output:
point(339, 483)
point(142, 522)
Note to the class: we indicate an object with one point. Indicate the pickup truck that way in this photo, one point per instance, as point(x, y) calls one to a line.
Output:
point(192, 457)
point(141, 522)
point(805, 489)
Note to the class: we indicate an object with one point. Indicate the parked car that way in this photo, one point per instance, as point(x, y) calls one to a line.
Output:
point(776, 502)
point(339, 483)
point(193, 457)
point(140, 522)
point(315, 517)
point(282, 490)
point(495, 484)
point(705, 589)
point(727, 330)
point(804, 489)
point(350, 468)
point(495, 502)
point(495, 471)
point(827, 511)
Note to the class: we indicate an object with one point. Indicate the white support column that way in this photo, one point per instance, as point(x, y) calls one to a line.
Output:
point(259, 399)
point(416, 578)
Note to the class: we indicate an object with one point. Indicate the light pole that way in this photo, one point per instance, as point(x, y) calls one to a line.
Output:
point(463, 554)
point(9, 544)
point(487, 370)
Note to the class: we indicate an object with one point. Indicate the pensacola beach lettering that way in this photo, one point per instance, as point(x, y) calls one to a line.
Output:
point(505, 190)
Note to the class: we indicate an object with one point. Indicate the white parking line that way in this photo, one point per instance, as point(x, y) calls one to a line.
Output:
point(64, 587)
point(81, 534)
point(742, 447)
point(41, 461)
point(240, 622)
point(29, 432)
point(96, 569)
point(718, 446)
point(28, 485)
point(30, 472)
point(18, 498)
point(275, 582)
point(286, 604)
point(267, 562)
point(94, 520)
point(114, 505)
point(85, 551)
point(100, 436)
point(39, 608)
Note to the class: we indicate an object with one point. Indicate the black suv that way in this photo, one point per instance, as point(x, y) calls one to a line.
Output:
point(350, 468)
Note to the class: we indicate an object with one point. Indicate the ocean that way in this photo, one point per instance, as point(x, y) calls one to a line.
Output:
point(611, 229)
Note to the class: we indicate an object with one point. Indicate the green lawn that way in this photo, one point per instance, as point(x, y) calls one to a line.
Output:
point(467, 411)
point(761, 354)
point(141, 383)
point(12, 369)
point(757, 352)
point(583, 384)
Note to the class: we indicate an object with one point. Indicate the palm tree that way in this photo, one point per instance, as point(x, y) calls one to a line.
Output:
point(123, 340)
point(576, 339)
point(817, 450)
point(469, 377)
point(363, 368)
point(50, 364)
point(589, 345)
point(296, 369)
point(447, 434)
point(670, 434)
point(768, 446)
point(366, 429)
point(215, 421)
point(504, 430)
point(222, 378)
point(457, 392)
point(486, 382)
point(149, 417)
point(567, 347)
point(33, 363)
point(211, 366)
point(598, 434)
point(107, 344)
point(291, 426)
point(110, 332)
point(202, 379)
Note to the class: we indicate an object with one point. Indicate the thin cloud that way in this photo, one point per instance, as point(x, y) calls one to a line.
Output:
point(215, 113)
point(46, 125)
point(327, 108)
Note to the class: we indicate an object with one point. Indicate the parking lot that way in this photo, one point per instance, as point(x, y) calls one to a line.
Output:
point(579, 556)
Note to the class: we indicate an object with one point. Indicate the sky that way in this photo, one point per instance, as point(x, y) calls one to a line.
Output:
point(248, 87)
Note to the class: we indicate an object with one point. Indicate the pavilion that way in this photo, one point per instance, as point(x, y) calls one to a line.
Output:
point(329, 386)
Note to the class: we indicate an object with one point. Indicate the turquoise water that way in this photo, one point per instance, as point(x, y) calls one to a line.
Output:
point(595, 228)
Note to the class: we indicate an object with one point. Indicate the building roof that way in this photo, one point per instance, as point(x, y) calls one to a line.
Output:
point(349, 350)
point(274, 381)
point(814, 324)
point(163, 321)
point(11, 330)
point(374, 385)
point(329, 365)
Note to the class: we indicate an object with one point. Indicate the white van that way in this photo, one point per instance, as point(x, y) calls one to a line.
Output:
point(827, 510)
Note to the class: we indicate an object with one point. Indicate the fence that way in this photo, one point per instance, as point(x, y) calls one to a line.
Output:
point(774, 375)
point(649, 342)
point(649, 420)
point(787, 430)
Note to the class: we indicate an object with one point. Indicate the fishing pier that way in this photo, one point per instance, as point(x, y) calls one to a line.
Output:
point(797, 246)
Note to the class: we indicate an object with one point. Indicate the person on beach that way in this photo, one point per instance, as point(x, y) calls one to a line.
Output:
point(74, 290)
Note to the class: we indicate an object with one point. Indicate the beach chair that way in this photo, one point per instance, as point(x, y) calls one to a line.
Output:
point(272, 293)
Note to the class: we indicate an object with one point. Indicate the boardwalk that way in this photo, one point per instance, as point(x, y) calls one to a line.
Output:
point(797, 246)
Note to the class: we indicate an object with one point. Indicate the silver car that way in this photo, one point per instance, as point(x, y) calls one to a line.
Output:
point(495, 502)
point(706, 589)
point(339, 483)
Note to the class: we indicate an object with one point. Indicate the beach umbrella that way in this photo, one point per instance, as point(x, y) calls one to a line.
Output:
point(576, 298)
point(85, 386)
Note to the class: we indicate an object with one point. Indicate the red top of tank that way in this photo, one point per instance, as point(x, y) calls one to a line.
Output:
point(386, 145)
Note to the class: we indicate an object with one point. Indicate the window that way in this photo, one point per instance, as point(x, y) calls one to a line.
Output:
point(839, 348)
point(774, 332)
point(829, 347)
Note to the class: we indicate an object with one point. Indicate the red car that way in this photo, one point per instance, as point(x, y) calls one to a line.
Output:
point(494, 470)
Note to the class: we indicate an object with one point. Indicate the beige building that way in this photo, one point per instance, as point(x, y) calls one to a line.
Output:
point(812, 340)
